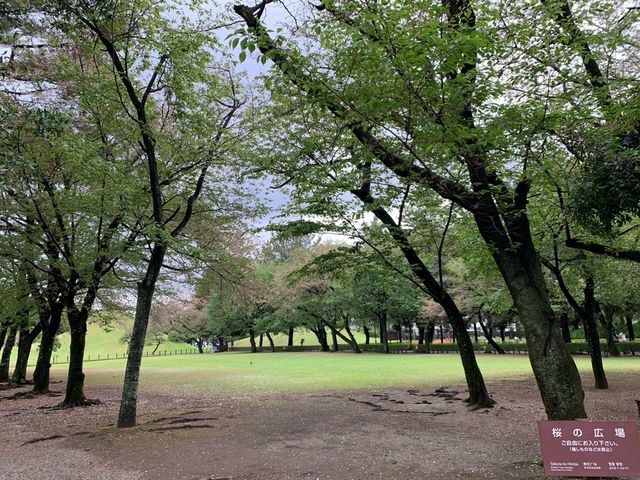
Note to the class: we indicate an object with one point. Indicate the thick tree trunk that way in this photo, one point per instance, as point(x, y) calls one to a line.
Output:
point(271, 344)
point(441, 334)
point(261, 340)
point(252, 340)
point(384, 336)
point(5, 359)
point(554, 369)
point(24, 350)
point(399, 330)
point(421, 330)
point(321, 334)
point(591, 333)
point(501, 328)
point(431, 331)
point(146, 289)
point(290, 339)
point(564, 325)
point(75, 375)
point(475, 332)
point(367, 335)
point(41, 374)
point(629, 323)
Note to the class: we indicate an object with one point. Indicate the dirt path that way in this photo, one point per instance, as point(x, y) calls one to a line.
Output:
point(390, 434)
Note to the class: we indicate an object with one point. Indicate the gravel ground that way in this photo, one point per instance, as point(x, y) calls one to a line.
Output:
point(390, 434)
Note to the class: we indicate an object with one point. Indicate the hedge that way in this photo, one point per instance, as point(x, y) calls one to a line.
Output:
point(577, 348)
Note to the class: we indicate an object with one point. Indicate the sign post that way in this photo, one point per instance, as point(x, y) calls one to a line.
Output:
point(585, 448)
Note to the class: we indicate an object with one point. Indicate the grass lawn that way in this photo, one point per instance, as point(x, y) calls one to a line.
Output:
point(244, 373)
point(99, 343)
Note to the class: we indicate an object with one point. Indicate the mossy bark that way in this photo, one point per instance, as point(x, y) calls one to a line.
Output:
point(553, 367)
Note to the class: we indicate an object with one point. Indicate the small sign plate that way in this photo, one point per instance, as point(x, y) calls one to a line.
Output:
point(585, 448)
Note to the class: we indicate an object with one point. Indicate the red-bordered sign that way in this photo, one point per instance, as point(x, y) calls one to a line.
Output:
point(590, 448)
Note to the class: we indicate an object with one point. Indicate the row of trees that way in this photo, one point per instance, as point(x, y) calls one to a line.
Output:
point(478, 152)
point(479, 105)
point(120, 130)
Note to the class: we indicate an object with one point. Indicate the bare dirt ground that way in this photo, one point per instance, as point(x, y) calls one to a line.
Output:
point(390, 434)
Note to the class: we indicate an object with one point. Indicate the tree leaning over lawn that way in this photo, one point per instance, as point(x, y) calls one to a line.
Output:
point(181, 106)
point(436, 117)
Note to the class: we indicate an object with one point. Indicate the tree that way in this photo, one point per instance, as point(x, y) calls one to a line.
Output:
point(178, 108)
point(435, 118)
point(181, 318)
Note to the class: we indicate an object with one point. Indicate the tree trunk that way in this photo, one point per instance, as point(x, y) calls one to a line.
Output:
point(200, 344)
point(629, 323)
point(591, 333)
point(352, 340)
point(334, 338)
point(41, 374)
point(146, 289)
point(3, 336)
point(489, 336)
point(384, 336)
point(478, 394)
point(290, 339)
point(24, 349)
point(75, 376)
point(321, 334)
point(564, 325)
point(441, 334)
point(252, 340)
point(271, 344)
point(475, 332)
point(501, 328)
point(399, 330)
point(606, 319)
point(555, 371)
point(367, 335)
point(5, 359)
point(431, 331)
point(421, 331)
point(260, 341)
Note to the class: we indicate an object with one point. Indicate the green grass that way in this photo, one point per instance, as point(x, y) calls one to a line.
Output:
point(244, 374)
point(99, 343)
